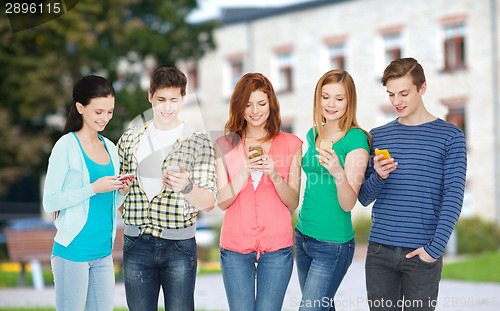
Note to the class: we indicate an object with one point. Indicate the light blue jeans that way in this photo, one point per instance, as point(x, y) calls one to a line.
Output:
point(321, 266)
point(243, 275)
point(88, 285)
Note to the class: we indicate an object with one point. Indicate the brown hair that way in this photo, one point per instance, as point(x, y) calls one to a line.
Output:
point(86, 89)
point(246, 85)
point(348, 120)
point(168, 77)
point(402, 66)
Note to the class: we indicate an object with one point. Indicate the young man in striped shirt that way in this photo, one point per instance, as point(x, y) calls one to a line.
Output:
point(418, 195)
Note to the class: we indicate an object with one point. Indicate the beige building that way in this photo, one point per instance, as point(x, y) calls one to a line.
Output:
point(293, 46)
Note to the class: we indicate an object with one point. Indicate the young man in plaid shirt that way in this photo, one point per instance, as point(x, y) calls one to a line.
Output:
point(174, 166)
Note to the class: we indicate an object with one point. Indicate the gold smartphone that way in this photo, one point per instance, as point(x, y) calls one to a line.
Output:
point(259, 152)
point(325, 144)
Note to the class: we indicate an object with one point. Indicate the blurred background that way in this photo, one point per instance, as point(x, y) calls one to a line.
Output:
point(215, 42)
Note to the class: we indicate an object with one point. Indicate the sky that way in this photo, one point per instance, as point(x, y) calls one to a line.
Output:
point(208, 9)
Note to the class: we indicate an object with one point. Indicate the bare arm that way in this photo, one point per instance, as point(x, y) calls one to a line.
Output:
point(288, 192)
point(228, 191)
point(201, 198)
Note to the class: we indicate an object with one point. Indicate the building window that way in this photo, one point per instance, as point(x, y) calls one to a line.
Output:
point(457, 112)
point(392, 47)
point(454, 47)
point(192, 76)
point(236, 72)
point(388, 114)
point(285, 71)
point(287, 124)
point(456, 116)
point(337, 56)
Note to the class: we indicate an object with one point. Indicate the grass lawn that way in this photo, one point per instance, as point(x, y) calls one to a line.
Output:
point(481, 268)
point(10, 279)
point(9, 276)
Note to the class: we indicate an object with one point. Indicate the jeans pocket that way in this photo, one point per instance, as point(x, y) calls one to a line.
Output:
point(286, 250)
point(128, 242)
point(426, 262)
point(373, 248)
point(187, 246)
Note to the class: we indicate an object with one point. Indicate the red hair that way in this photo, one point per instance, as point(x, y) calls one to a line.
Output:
point(246, 85)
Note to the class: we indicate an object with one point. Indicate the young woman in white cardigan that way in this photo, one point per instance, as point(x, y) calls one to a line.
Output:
point(82, 188)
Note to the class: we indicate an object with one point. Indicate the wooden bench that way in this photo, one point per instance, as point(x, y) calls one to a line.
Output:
point(29, 245)
point(25, 246)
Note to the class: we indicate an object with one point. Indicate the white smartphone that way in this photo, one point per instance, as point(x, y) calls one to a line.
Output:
point(172, 168)
point(126, 176)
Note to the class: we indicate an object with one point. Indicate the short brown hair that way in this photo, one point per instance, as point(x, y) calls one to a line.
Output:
point(168, 77)
point(249, 83)
point(402, 66)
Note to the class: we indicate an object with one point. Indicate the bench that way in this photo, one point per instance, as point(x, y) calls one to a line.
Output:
point(35, 246)
point(29, 245)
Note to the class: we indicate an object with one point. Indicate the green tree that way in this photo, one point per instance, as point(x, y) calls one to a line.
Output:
point(39, 66)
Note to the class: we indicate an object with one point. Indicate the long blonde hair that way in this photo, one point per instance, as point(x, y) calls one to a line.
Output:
point(348, 120)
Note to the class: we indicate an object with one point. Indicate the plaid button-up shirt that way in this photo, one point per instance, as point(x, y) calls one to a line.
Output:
point(168, 209)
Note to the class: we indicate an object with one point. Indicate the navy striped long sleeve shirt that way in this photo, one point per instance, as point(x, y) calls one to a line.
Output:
point(420, 202)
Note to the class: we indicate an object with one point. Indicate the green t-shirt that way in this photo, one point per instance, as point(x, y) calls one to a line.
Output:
point(321, 216)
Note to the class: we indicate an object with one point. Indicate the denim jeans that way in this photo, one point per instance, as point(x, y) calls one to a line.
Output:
point(150, 263)
point(88, 285)
point(243, 275)
point(394, 281)
point(321, 266)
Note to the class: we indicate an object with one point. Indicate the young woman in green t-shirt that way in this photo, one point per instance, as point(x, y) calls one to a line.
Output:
point(324, 235)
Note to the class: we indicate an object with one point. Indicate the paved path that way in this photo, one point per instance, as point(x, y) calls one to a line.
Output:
point(351, 296)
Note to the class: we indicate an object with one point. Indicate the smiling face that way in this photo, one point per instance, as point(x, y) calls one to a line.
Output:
point(166, 104)
point(333, 102)
point(405, 97)
point(97, 113)
point(257, 110)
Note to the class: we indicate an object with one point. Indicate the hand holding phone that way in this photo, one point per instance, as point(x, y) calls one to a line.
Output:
point(385, 152)
point(325, 144)
point(126, 176)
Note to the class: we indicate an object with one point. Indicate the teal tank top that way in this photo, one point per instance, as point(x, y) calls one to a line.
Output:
point(95, 239)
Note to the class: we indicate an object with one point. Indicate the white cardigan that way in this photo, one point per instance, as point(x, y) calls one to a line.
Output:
point(68, 190)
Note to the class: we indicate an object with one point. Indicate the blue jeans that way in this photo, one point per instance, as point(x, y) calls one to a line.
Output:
point(321, 266)
point(88, 285)
point(150, 263)
point(241, 271)
point(394, 281)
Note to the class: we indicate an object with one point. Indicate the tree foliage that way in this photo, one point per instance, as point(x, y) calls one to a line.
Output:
point(39, 66)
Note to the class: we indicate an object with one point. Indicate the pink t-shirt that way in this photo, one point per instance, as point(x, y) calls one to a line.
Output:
point(258, 220)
